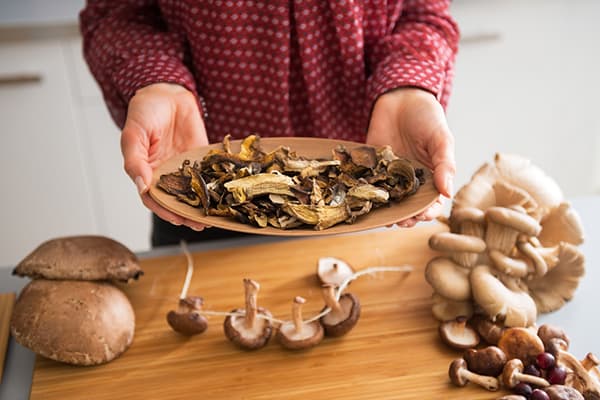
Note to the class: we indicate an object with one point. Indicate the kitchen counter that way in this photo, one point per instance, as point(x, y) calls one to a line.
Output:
point(575, 317)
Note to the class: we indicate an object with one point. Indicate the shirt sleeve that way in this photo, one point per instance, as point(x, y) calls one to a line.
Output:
point(418, 52)
point(127, 46)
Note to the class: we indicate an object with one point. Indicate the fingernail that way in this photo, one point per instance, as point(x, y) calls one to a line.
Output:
point(175, 223)
point(449, 186)
point(141, 186)
point(197, 229)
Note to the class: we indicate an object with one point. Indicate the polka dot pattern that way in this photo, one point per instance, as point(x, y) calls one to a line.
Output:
point(294, 68)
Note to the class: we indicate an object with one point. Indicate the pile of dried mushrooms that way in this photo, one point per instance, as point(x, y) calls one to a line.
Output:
point(511, 252)
point(284, 190)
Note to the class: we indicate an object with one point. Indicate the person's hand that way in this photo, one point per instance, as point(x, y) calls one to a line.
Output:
point(413, 122)
point(163, 120)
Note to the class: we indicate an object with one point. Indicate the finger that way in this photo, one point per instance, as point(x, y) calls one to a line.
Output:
point(134, 146)
point(407, 223)
point(444, 165)
point(432, 212)
point(168, 215)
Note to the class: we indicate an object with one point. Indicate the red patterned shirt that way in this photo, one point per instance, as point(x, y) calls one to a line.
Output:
point(276, 68)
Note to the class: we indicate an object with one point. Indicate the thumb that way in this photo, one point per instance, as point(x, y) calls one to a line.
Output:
point(134, 147)
point(444, 166)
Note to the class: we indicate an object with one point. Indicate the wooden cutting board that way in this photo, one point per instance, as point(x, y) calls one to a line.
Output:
point(7, 301)
point(393, 353)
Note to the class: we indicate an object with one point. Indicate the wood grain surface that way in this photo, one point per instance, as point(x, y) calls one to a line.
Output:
point(312, 148)
point(7, 301)
point(393, 353)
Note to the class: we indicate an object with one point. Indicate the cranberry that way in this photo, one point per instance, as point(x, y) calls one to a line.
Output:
point(545, 360)
point(532, 370)
point(523, 389)
point(557, 375)
point(538, 394)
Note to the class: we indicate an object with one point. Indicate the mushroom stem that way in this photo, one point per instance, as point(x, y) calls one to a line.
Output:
point(488, 382)
point(297, 313)
point(590, 361)
point(251, 290)
point(189, 272)
point(591, 384)
point(330, 300)
point(534, 380)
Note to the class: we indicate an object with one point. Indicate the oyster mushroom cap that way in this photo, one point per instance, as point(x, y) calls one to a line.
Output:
point(448, 279)
point(551, 291)
point(331, 270)
point(444, 309)
point(561, 224)
point(513, 305)
point(462, 248)
point(508, 195)
point(479, 192)
point(468, 221)
point(513, 219)
point(508, 265)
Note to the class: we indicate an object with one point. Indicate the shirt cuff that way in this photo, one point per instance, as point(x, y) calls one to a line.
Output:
point(144, 70)
point(396, 72)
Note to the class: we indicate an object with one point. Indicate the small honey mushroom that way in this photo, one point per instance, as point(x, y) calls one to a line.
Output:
point(251, 330)
point(344, 313)
point(460, 376)
point(297, 334)
point(512, 374)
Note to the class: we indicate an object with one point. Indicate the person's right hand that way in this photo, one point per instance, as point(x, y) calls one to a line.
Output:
point(163, 120)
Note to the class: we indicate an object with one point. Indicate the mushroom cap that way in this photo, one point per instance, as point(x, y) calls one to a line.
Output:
point(521, 343)
point(487, 361)
point(80, 258)
point(508, 265)
point(454, 242)
point(561, 224)
point(489, 330)
point(454, 372)
point(516, 220)
point(249, 339)
point(471, 214)
point(448, 279)
point(513, 305)
point(551, 291)
point(311, 334)
point(338, 325)
point(508, 374)
point(508, 195)
point(549, 334)
point(457, 334)
point(562, 392)
point(187, 320)
point(333, 270)
point(75, 322)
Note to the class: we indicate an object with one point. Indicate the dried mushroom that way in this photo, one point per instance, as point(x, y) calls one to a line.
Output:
point(286, 191)
point(511, 250)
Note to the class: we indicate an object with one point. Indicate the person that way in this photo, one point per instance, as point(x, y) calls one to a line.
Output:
point(181, 74)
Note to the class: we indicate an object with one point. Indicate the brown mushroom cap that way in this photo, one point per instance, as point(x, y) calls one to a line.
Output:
point(248, 338)
point(75, 322)
point(562, 392)
point(187, 320)
point(296, 334)
point(80, 258)
point(521, 343)
point(554, 338)
point(457, 334)
point(460, 376)
point(489, 330)
point(487, 361)
point(339, 323)
point(331, 270)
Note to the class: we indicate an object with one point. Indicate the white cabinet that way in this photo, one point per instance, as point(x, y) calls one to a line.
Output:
point(60, 162)
point(531, 89)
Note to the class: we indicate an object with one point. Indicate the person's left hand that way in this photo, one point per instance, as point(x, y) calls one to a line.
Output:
point(413, 123)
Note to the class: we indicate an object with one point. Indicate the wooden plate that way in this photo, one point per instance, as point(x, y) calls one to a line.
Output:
point(310, 148)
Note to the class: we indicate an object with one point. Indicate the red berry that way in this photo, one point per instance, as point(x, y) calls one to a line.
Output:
point(523, 389)
point(545, 360)
point(532, 370)
point(538, 394)
point(557, 375)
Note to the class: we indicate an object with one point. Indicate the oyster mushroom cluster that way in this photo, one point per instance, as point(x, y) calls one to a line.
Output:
point(284, 190)
point(511, 250)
